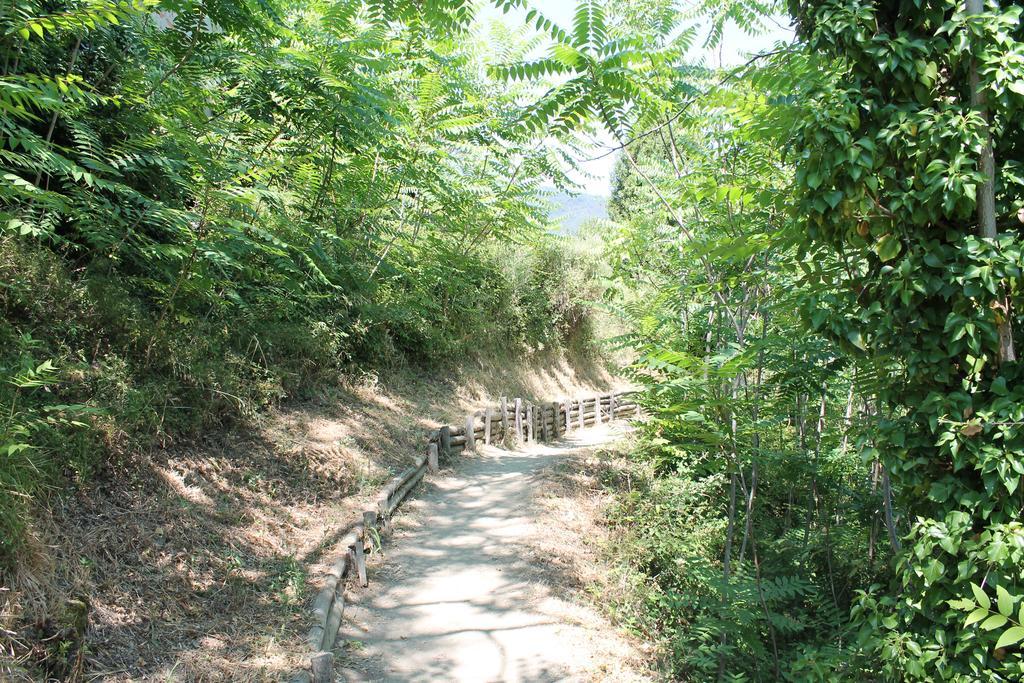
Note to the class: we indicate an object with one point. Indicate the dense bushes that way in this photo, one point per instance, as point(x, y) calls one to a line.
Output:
point(123, 379)
point(756, 508)
point(801, 546)
point(828, 346)
point(210, 206)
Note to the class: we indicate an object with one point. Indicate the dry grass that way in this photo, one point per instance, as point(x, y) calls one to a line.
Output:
point(577, 547)
point(197, 561)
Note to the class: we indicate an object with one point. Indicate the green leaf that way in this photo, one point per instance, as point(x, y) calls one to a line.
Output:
point(962, 604)
point(1011, 636)
point(1004, 601)
point(888, 247)
point(980, 596)
point(1017, 87)
point(975, 616)
point(993, 622)
point(814, 180)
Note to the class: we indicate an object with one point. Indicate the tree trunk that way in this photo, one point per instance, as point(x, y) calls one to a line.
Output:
point(890, 522)
point(987, 194)
point(56, 111)
point(755, 414)
point(848, 413)
point(873, 534)
point(730, 534)
point(727, 567)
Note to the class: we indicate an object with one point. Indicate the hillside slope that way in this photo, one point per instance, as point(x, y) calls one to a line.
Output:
point(193, 561)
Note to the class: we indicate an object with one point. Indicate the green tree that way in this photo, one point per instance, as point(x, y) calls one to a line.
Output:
point(909, 173)
point(208, 206)
point(752, 437)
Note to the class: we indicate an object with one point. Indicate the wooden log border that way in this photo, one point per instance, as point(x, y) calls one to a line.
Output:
point(513, 420)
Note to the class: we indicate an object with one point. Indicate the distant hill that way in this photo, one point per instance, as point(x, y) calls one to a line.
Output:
point(571, 212)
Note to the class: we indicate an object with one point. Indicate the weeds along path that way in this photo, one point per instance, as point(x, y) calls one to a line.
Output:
point(460, 594)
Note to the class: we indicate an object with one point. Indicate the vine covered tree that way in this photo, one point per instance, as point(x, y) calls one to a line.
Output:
point(910, 173)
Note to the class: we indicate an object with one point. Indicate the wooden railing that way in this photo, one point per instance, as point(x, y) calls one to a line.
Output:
point(511, 421)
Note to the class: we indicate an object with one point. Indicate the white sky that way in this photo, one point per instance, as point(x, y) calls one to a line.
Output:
point(735, 49)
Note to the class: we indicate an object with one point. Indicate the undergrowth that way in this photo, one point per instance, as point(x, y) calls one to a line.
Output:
point(209, 207)
point(89, 371)
point(785, 616)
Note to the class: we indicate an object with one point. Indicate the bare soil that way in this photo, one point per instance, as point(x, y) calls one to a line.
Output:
point(197, 562)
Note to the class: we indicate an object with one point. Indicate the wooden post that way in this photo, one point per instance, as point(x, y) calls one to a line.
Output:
point(583, 408)
point(529, 423)
point(545, 434)
point(432, 458)
point(519, 419)
point(360, 560)
point(470, 433)
point(322, 664)
point(611, 406)
point(504, 417)
point(444, 435)
point(487, 426)
point(597, 410)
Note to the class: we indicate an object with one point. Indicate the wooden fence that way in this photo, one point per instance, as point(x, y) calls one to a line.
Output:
point(512, 420)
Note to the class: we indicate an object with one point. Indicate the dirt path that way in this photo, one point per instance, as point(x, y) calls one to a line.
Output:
point(461, 595)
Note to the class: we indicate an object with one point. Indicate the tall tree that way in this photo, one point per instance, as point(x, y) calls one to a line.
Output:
point(909, 174)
